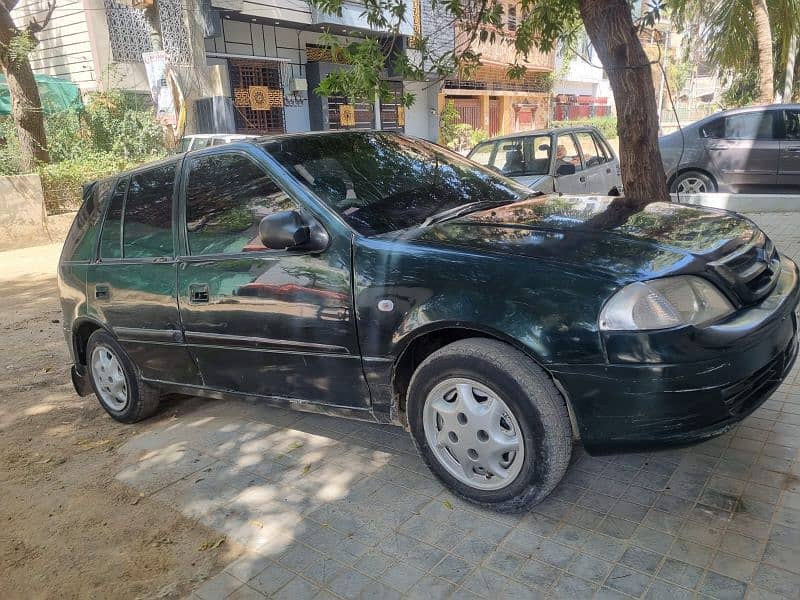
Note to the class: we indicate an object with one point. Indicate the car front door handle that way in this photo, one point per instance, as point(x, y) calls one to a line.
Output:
point(583, 178)
point(793, 149)
point(198, 293)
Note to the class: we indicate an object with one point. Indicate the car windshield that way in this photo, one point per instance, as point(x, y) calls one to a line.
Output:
point(381, 182)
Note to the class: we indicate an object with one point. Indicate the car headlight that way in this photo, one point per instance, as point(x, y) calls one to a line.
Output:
point(664, 303)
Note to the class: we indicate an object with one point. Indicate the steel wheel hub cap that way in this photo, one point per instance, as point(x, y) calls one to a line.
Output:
point(692, 185)
point(473, 434)
point(109, 378)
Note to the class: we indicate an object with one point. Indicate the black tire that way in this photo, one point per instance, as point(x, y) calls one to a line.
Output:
point(142, 399)
point(686, 176)
point(531, 396)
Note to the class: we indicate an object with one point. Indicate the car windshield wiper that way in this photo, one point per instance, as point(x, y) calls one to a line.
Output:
point(464, 209)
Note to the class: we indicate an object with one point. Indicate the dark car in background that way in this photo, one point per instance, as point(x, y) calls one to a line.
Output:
point(373, 276)
point(754, 150)
point(568, 160)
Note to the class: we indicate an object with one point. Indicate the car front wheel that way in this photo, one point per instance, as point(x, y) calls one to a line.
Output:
point(490, 424)
point(116, 381)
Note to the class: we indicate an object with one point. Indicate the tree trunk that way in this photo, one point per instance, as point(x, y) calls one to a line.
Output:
point(610, 27)
point(26, 105)
point(764, 41)
point(791, 57)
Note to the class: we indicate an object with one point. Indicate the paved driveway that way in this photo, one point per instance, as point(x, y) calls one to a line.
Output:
point(334, 508)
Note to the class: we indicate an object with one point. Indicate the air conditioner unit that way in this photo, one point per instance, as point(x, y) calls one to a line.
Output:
point(298, 84)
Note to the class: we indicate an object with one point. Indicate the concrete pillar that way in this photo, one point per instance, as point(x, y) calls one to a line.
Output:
point(484, 114)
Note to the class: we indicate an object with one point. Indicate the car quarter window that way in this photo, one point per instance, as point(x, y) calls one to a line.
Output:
point(483, 154)
point(111, 238)
point(81, 241)
point(591, 155)
point(567, 152)
point(227, 195)
point(749, 126)
point(791, 123)
point(147, 226)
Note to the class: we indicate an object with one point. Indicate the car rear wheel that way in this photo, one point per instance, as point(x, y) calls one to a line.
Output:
point(116, 381)
point(490, 424)
point(693, 182)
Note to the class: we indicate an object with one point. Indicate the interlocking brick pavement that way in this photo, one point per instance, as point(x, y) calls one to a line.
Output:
point(331, 508)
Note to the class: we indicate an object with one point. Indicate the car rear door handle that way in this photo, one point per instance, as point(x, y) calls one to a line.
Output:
point(793, 149)
point(101, 292)
point(198, 293)
point(583, 178)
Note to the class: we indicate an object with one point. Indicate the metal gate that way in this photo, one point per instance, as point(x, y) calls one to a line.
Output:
point(470, 111)
point(389, 109)
point(246, 74)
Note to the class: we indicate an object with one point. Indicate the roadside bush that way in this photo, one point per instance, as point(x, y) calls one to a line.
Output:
point(63, 181)
point(606, 125)
point(115, 131)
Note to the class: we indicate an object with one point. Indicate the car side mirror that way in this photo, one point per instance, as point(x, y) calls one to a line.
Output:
point(566, 169)
point(289, 230)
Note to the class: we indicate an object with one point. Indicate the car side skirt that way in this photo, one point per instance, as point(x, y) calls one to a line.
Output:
point(361, 414)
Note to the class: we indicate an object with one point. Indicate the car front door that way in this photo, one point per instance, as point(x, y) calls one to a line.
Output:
point(789, 165)
point(745, 150)
point(275, 323)
point(567, 157)
point(132, 284)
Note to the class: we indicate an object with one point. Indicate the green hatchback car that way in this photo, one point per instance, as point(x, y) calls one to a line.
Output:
point(378, 277)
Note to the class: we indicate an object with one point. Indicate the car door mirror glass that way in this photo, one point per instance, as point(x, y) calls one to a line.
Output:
point(565, 169)
point(289, 230)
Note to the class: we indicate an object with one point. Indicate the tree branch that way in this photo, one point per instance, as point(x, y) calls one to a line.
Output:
point(35, 26)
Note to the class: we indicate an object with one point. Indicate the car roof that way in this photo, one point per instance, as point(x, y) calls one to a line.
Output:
point(749, 109)
point(549, 131)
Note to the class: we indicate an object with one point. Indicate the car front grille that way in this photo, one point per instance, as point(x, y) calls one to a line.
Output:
point(752, 270)
point(740, 396)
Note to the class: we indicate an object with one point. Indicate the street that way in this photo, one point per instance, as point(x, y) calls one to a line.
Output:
point(211, 498)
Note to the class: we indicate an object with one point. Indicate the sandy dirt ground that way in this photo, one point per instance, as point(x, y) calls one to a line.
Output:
point(68, 528)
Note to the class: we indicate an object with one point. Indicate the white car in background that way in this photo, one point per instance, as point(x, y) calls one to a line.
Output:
point(569, 160)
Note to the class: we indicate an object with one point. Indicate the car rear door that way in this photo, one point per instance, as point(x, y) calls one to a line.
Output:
point(745, 150)
point(567, 153)
point(789, 165)
point(276, 323)
point(131, 286)
point(594, 161)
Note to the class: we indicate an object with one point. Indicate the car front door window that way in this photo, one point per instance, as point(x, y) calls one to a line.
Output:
point(227, 195)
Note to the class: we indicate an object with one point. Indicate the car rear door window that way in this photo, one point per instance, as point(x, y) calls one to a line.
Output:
point(227, 195)
point(148, 214)
point(111, 238)
point(602, 150)
point(591, 155)
point(749, 126)
point(483, 154)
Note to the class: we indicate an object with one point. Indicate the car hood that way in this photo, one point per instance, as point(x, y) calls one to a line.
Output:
point(597, 233)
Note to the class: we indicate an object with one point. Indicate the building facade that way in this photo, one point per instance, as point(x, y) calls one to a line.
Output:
point(224, 49)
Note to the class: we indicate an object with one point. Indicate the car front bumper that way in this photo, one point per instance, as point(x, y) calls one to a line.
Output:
point(630, 406)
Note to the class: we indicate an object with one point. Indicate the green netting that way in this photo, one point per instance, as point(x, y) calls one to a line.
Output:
point(57, 95)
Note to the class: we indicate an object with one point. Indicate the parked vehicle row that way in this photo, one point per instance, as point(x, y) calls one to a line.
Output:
point(755, 149)
point(377, 277)
point(747, 150)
